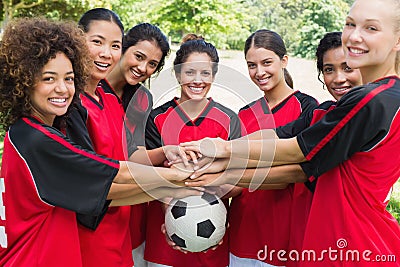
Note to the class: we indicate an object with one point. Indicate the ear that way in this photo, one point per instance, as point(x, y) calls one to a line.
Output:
point(397, 45)
point(285, 61)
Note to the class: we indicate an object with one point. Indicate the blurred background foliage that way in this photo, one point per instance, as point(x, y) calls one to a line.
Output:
point(226, 23)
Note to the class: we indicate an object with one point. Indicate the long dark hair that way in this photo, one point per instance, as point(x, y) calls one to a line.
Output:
point(147, 32)
point(99, 14)
point(272, 41)
point(331, 40)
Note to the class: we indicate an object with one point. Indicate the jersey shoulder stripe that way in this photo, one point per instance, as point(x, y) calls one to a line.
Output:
point(68, 145)
point(364, 101)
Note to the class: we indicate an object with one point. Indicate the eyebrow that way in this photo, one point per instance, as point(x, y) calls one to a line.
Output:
point(143, 54)
point(368, 20)
point(102, 38)
point(55, 73)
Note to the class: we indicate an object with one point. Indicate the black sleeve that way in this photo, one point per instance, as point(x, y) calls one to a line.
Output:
point(295, 127)
point(130, 140)
point(76, 130)
point(65, 174)
point(235, 130)
point(345, 130)
point(137, 114)
point(308, 103)
point(153, 136)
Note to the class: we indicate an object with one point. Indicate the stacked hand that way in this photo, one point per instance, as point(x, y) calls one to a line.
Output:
point(208, 147)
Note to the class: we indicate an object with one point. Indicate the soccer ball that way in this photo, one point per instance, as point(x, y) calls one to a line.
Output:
point(196, 223)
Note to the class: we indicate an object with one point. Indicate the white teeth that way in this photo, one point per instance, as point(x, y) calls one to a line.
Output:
point(136, 73)
point(356, 51)
point(102, 65)
point(196, 89)
point(264, 80)
point(58, 100)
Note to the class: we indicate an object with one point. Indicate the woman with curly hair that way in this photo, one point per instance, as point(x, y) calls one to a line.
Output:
point(46, 179)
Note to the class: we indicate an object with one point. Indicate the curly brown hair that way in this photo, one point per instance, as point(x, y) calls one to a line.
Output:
point(26, 47)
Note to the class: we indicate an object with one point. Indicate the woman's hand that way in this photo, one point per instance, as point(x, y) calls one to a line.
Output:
point(176, 154)
point(209, 147)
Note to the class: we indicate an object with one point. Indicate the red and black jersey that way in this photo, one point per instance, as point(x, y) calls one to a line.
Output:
point(170, 125)
point(270, 209)
point(137, 103)
point(353, 150)
point(305, 120)
point(104, 121)
point(45, 179)
point(302, 193)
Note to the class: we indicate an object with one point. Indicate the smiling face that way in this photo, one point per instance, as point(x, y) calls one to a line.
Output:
point(54, 89)
point(265, 68)
point(338, 77)
point(140, 61)
point(196, 77)
point(369, 37)
point(104, 40)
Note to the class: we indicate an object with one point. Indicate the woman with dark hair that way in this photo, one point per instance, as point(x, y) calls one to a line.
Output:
point(45, 178)
point(144, 50)
point(98, 124)
point(266, 57)
point(352, 150)
point(191, 116)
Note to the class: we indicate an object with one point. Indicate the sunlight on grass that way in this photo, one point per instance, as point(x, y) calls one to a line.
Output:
point(394, 203)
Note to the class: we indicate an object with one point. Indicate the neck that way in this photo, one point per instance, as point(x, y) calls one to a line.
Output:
point(117, 80)
point(48, 121)
point(370, 73)
point(193, 108)
point(91, 88)
point(278, 94)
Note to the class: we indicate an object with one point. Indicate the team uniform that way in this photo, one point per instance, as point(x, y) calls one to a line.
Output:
point(137, 103)
point(45, 180)
point(353, 150)
point(103, 120)
point(262, 218)
point(169, 125)
point(303, 192)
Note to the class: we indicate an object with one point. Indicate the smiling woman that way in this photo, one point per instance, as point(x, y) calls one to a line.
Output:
point(189, 117)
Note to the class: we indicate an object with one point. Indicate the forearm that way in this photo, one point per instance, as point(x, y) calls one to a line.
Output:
point(275, 151)
point(142, 197)
point(155, 194)
point(259, 135)
point(155, 157)
point(133, 173)
point(275, 175)
point(147, 157)
point(265, 186)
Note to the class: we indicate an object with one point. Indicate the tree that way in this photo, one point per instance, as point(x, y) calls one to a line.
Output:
point(318, 18)
point(57, 9)
point(216, 20)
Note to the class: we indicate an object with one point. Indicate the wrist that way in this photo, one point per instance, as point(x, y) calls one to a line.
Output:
point(227, 149)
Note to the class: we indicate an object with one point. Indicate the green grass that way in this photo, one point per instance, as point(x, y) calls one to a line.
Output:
point(394, 203)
